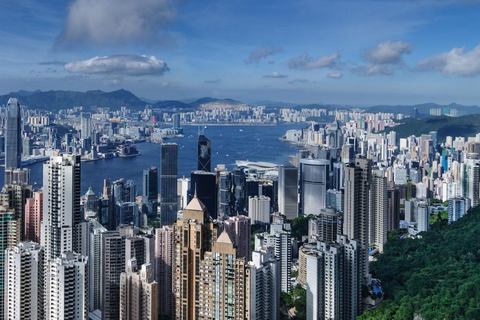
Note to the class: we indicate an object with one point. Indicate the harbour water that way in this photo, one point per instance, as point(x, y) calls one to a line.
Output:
point(229, 143)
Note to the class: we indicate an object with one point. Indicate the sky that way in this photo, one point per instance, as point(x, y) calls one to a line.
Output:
point(304, 51)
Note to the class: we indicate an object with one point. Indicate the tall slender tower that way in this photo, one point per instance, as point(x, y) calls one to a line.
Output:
point(288, 191)
point(313, 185)
point(150, 192)
point(378, 211)
point(62, 216)
point(168, 183)
point(358, 178)
point(13, 132)
point(204, 153)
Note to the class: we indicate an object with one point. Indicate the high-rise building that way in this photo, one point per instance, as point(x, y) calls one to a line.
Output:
point(393, 209)
point(66, 287)
point(168, 183)
point(259, 210)
point(16, 196)
point(9, 237)
point(225, 196)
point(239, 182)
point(33, 216)
point(423, 222)
point(358, 178)
point(204, 153)
point(239, 230)
point(335, 199)
point(183, 188)
point(378, 224)
point(288, 191)
point(95, 263)
point(17, 176)
point(203, 183)
point(61, 206)
point(138, 292)
point(163, 269)
point(457, 208)
point(13, 135)
point(313, 185)
point(85, 125)
point(150, 192)
point(24, 281)
point(113, 250)
point(263, 273)
point(330, 225)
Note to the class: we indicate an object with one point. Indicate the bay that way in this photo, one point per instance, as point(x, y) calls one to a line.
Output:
point(229, 143)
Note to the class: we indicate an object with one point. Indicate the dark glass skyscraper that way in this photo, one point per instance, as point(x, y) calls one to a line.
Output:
point(204, 184)
point(204, 153)
point(13, 132)
point(168, 183)
point(150, 192)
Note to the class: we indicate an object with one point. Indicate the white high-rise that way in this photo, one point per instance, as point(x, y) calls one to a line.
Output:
point(313, 185)
point(61, 205)
point(378, 217)
point(24, 282)
point(259, 209)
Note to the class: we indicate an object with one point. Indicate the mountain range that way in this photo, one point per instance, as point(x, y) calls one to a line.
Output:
point(55, 100)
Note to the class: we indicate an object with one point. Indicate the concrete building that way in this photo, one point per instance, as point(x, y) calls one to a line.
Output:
point(314, 175)
point(423, 222)
point(457, 208)
point(288, 191)
point(239, 230)
point(168, 183)
point(259, 209)
point(378, 218)
point(163, 269)
point(33, 216)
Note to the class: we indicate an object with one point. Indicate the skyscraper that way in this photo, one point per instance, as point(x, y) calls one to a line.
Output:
point(61, 206)
point(163, 269)
point(203, 183)
point(225, 196)
point(168, 183)
point(378, 225)
point(150, 192)
point(239, 230)
point(313, 185)
point(288, 191)
point(13, 135)
point(358, 179)
point(259, 210)
point(85, 124)
point(33, 216)
point(204, 153)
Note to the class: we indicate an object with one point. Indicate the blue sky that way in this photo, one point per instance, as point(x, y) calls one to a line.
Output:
point(342, 52)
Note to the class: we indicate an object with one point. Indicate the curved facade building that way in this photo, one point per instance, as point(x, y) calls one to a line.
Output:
point(313, 185)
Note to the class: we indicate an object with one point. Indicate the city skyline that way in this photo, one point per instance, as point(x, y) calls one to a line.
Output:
point(359, 53)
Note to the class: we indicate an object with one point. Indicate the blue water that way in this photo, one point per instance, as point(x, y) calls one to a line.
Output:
point(254, 143)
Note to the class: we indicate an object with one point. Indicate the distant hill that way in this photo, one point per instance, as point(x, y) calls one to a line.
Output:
point(59, 99)
point(274, 104)
point(172, 104)
point(468, 125)
point(208, 103)
point(424, 108)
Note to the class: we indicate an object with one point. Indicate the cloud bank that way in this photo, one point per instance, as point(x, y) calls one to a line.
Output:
point(306, 62)
point(388, 52)
point(457, 61)
point(262, 53)
point(117, 21)
point(126, 65)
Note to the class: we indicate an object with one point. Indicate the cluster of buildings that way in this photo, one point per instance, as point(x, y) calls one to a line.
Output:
point(219, 244)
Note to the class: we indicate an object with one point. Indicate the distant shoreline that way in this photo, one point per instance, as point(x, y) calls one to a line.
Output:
point(231, 124)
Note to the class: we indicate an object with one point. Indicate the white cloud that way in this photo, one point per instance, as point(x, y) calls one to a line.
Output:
point(117, 21)
point(335, 75)
point(388, 52)
point(306, 62)
point(456, 61)
point(373, 70)
point(127, 65)
point(262, 53)
point(275, 75)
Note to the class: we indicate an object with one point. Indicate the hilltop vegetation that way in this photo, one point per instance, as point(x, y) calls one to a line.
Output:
point(463, 126)
point(435, 277)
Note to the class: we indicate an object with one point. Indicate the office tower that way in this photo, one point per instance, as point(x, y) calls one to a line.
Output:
point(163, 269)
point(330, 225)
point(358, 178)
point(90, 204)
point(61, 205)
point(16, 196)
point(128, 213)
point(176, 121)
point(239, 230)
point(17, 176)
point(85, 125)
point(95, 263)
point(138, 292)
point(332, 281)
point(9, 237)
point(204, 153)
point(252, 187)
point(338, 175)
point(225, 196)
point(259, 210)
point(335, 199)
point(378, 225)
point(239, 193)
point(263, 275)
point(393, 209)
point(279, 238)
point(203, 183)
point(106, 206)
point(288, 191)
point(313, 185)
point(27, 146)
point(457, 208)
point(113, 250)
point(66, 287)
point(24, 282)
point(13, 135)
point(150, 192)
point(183, 187)
point(125, 191)
point(168, 183)
point(423, 223)
point(33, 216)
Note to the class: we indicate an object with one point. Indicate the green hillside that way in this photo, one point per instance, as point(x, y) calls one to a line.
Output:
point(463, 126)
point(436, 277)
